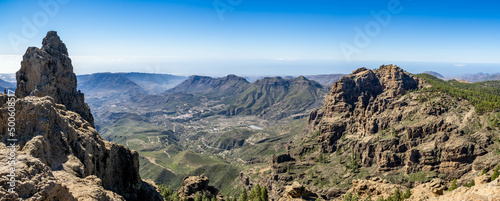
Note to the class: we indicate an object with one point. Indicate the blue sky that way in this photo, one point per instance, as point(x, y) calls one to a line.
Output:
point(258, 37)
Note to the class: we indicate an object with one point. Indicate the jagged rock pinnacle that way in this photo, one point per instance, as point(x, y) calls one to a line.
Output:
point(53, 44)
point(48, 72)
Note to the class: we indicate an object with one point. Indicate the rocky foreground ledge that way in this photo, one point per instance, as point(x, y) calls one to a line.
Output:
point(58, 153)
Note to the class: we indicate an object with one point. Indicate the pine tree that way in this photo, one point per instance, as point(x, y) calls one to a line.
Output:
point(255, 193)
point(407, 194)
point(165, 191)
point(197, 197)
point(204, 197)
point(495, 173)
point(264, 194)
point(453, 185)
point(243, 196)
point(397, 195)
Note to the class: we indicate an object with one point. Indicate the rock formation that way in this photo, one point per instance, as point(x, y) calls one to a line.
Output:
point(428, 129)
point(197, 185)
point(374, 188)
point(295, 191)
point(60, 156)
point(48, 72)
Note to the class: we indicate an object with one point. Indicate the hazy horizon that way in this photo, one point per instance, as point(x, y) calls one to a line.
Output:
point(246, 70)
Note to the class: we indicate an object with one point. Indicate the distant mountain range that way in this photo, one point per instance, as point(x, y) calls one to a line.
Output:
point(8, 77)
point(435, 74)
point(228, 85)
point(107, 84)
point(272, 97)
point(276, 97)
point(127, 82)
point(7, 85)
point(326, 80)
point(477, 77)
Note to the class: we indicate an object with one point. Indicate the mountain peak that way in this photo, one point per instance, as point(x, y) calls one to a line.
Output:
point(48, 72)
point(435, 74)
point(207, 85)
point(235, 77)
point(363, 85)
point(53, 44)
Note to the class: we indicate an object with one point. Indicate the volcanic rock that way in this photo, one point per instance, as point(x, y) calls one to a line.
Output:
point(197, 184)
point(48, 72)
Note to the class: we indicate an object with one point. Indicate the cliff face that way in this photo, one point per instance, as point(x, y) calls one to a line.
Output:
point(60, 156)
point(386, 128)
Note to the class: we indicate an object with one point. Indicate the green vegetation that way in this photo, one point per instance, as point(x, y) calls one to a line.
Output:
point(496, 174)
point(258, 193)
point(351, 197)
point(471, 184)
point(397, 196)
point(167, 193)
point(494, 120)
point(422, 176)
point(243, 196)
point(322, 158)
point(197, 197)
point(264, 194)
point(353, 163)
point(453, 185)
point(485, 96)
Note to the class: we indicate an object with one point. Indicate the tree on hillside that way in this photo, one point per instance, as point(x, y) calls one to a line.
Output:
point(255, 193)
point(264, 194)
point(243, 196)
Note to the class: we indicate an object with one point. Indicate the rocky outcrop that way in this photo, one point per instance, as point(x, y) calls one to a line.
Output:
point(484, 192)
point(374, 188)
point(425, 191)
point(295, 191)
point(191, 186)
point(387, 123)
point(48, 72)
point(282, 158)
point(60, 155)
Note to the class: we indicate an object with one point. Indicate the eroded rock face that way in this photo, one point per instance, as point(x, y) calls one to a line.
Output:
point(59, 153)
point(295, 191)
point(197, 184)
point(71, 154)
point(390, 125)
point(48, 72)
